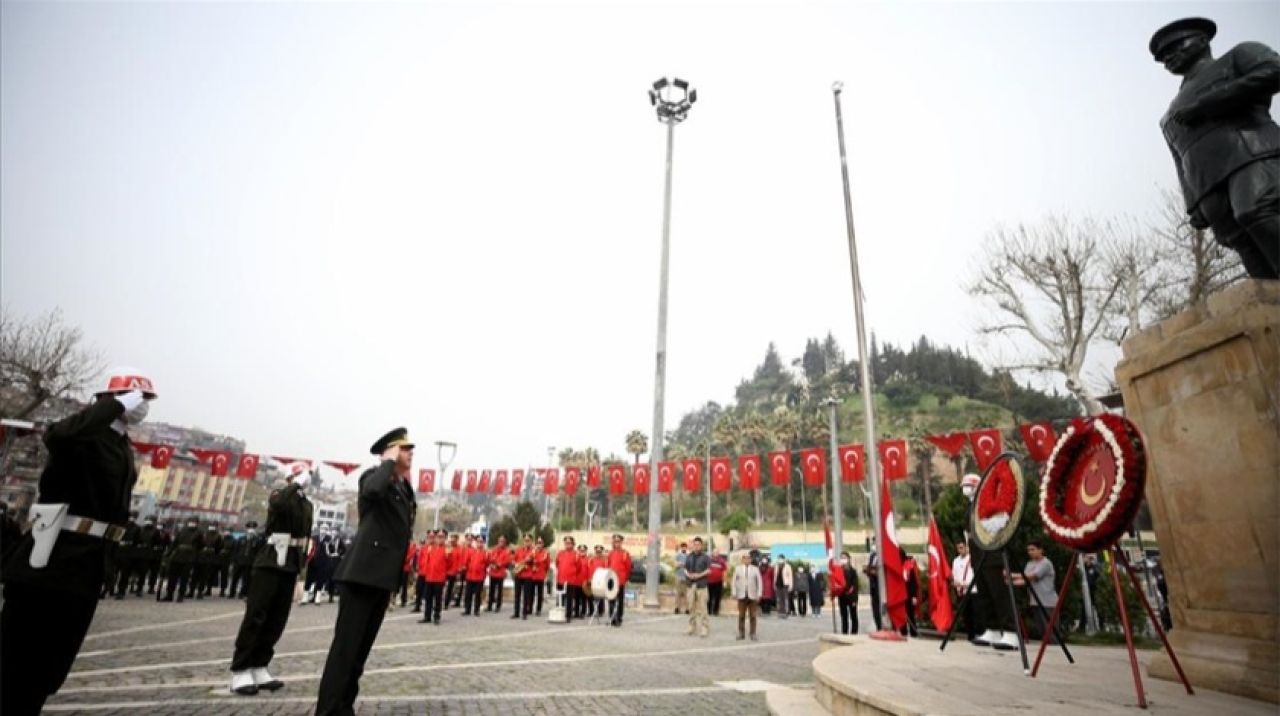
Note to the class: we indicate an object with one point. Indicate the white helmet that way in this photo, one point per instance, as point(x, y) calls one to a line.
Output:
point(969, 484)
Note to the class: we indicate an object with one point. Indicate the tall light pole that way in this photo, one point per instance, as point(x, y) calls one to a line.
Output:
point(868, 411)
point(672, 101)
point(442, 446)
point(836, 508)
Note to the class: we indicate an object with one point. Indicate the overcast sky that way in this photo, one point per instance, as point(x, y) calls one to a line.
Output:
point(314, 222)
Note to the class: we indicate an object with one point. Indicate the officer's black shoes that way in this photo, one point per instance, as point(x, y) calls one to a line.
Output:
point(515, 616)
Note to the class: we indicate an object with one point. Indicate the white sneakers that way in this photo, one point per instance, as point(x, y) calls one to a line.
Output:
point(242, 683)
point(988, 637)
point(264, 680)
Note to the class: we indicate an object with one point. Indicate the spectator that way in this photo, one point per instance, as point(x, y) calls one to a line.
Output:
point(872, 570)
point(767, 594)
point(817, 592)
point(747, 588)
point(715, 582)
point(682, 584)
point(961, 578)
point(783, 579)
point(697, 568)
point(847, 598)
point(800, 595)
point(1040, 574)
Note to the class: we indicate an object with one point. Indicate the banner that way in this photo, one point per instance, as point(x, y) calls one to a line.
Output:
point(951, 443)
point(893, 459)
point(780, 467)
point(987, 445)
point(1039, 439)
point(517, 482)
point(571, 477)
point(617, 479)
point(247, 466)
point(500, 483)
point(593, 476)
point(457, 480)
point(485, 477)
point(551, 480)
point(692, 471)
point(472, 479)
point(939, 581)
point(813, 463)
point(720, 474)
point(426, 480)
point(640, 479)
point(853, 463)
point(749, 472)
point(666, 476)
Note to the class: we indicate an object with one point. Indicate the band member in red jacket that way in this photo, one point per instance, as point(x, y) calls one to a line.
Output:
point(522, 574)
point(458, 571)
point(432, 565)
point(499, 560)
point(538, 580)
point(584, 581)
point(411, 572)
point(567, 577)
point(477, 564)
point(620, 563)
point(599, 560)
point(451, 560)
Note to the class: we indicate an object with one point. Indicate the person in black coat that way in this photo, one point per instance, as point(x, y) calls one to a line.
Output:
point(370, 571)
point(54, 576)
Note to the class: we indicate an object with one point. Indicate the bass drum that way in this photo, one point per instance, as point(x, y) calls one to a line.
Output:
point(604, 584)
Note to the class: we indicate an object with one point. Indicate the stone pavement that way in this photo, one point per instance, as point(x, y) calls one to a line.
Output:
point(144, 657)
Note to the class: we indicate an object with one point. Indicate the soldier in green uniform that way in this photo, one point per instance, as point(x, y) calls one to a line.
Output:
point(242, 560)
point(182, 557)
point(207, 561)
point(128, 556)
point(151, 548)
point(53, 578)
point(275, 572)
point(225, 551)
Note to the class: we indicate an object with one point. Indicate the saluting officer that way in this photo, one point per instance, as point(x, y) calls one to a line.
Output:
point(275, 571)
point(370, 572)
point(53, 578)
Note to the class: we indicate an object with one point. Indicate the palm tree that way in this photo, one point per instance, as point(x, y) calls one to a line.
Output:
point(785, 426)
point(637, 444)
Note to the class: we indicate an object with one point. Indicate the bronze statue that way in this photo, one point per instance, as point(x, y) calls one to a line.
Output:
point(1225, 145)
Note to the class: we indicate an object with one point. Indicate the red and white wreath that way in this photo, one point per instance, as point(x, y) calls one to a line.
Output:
point(1093, 483)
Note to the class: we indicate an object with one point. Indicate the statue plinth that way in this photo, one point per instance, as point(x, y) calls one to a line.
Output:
point(1204, 387)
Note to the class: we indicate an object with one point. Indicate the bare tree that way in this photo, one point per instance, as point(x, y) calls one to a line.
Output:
point(41, 358)
point(1143, 266)
point(1050, 282)
point(1197, 264)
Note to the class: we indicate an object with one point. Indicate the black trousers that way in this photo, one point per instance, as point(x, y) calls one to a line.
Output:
point(360, 614)
point(461, 581)
point(126, 570)
point(434, 600)
point(41, 631)
point(848, 606)
point(618, 606)
point(714, 593)
point(572, 595)
point(265, 616)
point(419, 593)
point(991, 601)
point(875, 605)
point(179, 578)
point(970, 621)
point(495, 594)
point(153, 574)
point(538, 586)
point(405, 579)
point(450, 582)
point(471, 600)
point(240, 580)
point(517, 596)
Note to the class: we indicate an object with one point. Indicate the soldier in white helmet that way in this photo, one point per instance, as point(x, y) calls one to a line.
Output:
point(53, 578)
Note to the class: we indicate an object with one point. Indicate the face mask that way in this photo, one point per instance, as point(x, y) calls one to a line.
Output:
point(137, 414)
point(968, 492)
point(302, 479)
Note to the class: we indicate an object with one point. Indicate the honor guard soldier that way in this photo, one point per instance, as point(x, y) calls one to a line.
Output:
point(370, 572)
point(224, 562)
point(207, 561)
point(275, 568)
point(129, 556)
point(150, 546)
point(182, 557)
point(242, 560)
point(54, 576)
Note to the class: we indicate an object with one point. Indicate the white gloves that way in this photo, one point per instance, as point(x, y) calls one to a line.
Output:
point(995, 523)
point(302, 479)
point(130, 400)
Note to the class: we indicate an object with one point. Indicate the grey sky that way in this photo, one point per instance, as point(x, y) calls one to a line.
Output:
point(314, 222)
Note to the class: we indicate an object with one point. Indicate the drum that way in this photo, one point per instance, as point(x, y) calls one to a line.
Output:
point(604, 584)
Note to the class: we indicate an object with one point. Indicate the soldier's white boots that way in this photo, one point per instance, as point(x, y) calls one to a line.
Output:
point(242, 683)
point(264, 680)
point(1007, 643)
point(988, 637)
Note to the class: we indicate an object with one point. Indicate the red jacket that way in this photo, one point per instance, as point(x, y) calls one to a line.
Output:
point(432, 563)
point(410, 557)
point(541, 564)
point(477, 564)
point(500, 557)
point(451, 559)
point(461, 561)
point(566, 567)
point(620, 563)
point(521, 554)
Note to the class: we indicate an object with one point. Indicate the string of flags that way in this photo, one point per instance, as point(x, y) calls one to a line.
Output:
point(220, 461)
point(986, 444)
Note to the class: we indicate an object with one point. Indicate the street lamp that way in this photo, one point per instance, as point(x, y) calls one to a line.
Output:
point(672, 100)
point(442, 446)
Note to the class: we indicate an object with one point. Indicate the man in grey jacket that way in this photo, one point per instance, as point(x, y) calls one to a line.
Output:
point(747, 588)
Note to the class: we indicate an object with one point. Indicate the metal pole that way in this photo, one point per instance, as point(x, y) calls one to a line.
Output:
point(444, 465)
point(836, 507)
point(868, 411)
point(707, 487)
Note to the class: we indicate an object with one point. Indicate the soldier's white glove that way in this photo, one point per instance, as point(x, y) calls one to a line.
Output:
point(130, 400)
point(995, 523)
point(302, 479)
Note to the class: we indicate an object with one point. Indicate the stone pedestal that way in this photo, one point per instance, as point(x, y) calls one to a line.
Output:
point(1204, 387)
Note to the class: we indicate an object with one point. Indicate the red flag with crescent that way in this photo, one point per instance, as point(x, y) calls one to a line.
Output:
point(666, 476)
point(853, 463)
point(286, 460)
point(617, 479)
point(472, 479)
point(987, 445)
point(499, 482)
point(161, 456)
point(951, 443)
point(813, 463)
point(895, 583)
point(1039, 439)
point(247, 465)
point(551, 480)
point(593, 476)
point(572, 475)
point(749, 472)
point(691, 471)
point(940, 612)
point(721, 474)
point(640, 479)
point(486, 476)
point(780, 467)
point(517, 482)
point(893, 459)
point(426, 480)
point(345, 467)
point(219, 463)
point(457, 480)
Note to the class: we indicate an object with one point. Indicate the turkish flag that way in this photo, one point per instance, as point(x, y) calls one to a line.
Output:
point(895, 584)
point(749, 472)
point(640, 479)
point(500, 483)
point(951, 443)
point(987, 446)
point(485, 477)
point(721, 474)
point(457, 480)
point(893, 459)
point(853, 463)
point(247, 466)
point(780, 467)
point(517, 482)
point(345, 467)
point(220, 462)
point(813, 462)
point(617, 479)
point(1039, 439)
point(284, 460)
point(160, 456)
point(426, 480)
point(666, 476)
point(571, 477)
point(593, 476)
point(551, 480)
point(939, 581)
point(692, 474)
point(472, 479)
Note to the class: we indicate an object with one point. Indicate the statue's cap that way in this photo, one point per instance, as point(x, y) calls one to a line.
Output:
point(1178, 29)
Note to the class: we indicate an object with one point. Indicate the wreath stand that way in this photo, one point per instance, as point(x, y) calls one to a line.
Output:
point(1017, 622)
point(1120, 560)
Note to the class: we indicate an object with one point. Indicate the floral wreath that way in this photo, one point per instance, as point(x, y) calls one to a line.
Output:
point(987, 540)
point(1075, 458)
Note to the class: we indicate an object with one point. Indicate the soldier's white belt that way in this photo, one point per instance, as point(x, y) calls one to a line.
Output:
point(49, 520)
point(93, 528)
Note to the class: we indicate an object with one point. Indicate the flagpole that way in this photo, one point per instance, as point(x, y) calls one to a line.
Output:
point(868, 410)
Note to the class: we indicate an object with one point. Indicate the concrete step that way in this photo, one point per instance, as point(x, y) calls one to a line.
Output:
point(785, 701)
